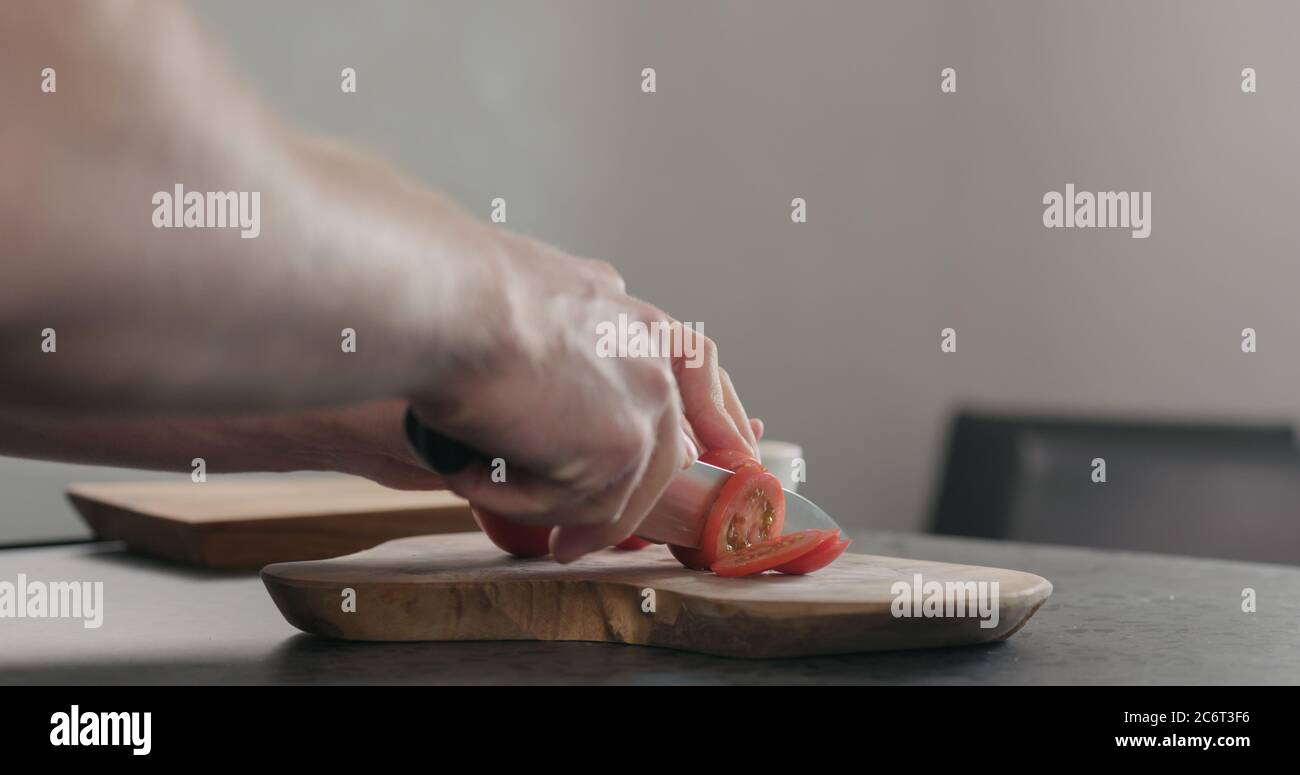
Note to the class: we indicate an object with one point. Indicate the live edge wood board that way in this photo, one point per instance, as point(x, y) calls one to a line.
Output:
point(461, 587)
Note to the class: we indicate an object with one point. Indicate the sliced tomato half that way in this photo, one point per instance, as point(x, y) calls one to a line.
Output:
point(632, 543)
point(516, 539)
point(770, 554)
point(750, 509)
point(823, 554)
point(730, 459)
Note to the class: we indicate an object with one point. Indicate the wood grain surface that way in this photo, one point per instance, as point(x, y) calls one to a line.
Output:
point(248, 523)
point(460, 587)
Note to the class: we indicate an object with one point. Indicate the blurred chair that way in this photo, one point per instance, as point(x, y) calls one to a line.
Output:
point(1180, 488)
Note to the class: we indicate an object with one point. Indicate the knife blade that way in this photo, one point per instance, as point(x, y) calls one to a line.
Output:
point(679, 516)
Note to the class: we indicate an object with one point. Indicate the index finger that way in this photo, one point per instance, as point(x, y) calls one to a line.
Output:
point(708, 398)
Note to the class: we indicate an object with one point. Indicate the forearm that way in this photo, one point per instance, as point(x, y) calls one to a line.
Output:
point(225, 445)
point(200, 319)
point(364, 440)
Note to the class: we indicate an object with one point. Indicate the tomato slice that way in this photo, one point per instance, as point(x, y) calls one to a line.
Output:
point(516, 539)
point(770, 554)
point(823, 554)
point(750, 509)
point(632, 543)
point(730, 459)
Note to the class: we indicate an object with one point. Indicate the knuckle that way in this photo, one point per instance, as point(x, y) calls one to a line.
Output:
point(649, 313)
point(708, 347)
point(607, 273)
point(591, 289)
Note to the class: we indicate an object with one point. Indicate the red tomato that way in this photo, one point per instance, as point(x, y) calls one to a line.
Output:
point(770, 554)
point(730, 459)
point(688, 556)
point(823, 554)
point(631, 543)
point(750, 509)
point(516, 539)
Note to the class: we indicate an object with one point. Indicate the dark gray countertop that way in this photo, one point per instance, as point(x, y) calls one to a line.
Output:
point(1113, 618)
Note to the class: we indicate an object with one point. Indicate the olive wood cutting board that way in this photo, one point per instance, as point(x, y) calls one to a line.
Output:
point(461, 587)
point(248, 523)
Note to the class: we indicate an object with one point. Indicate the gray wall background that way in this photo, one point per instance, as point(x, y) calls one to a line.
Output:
point(924, 208)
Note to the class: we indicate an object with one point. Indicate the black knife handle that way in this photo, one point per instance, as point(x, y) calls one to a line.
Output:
point(442, 454)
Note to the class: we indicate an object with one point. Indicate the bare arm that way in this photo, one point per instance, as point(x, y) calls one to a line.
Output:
point(490, 336)
point(363, 440)
point(200, 319)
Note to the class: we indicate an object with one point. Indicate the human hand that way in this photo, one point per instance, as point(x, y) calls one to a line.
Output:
point(589, 442)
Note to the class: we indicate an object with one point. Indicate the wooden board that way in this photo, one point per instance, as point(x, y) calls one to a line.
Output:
point(248, 523)
point(460, 587)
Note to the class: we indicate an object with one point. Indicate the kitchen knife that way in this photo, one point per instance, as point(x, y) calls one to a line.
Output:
point(678, 518)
